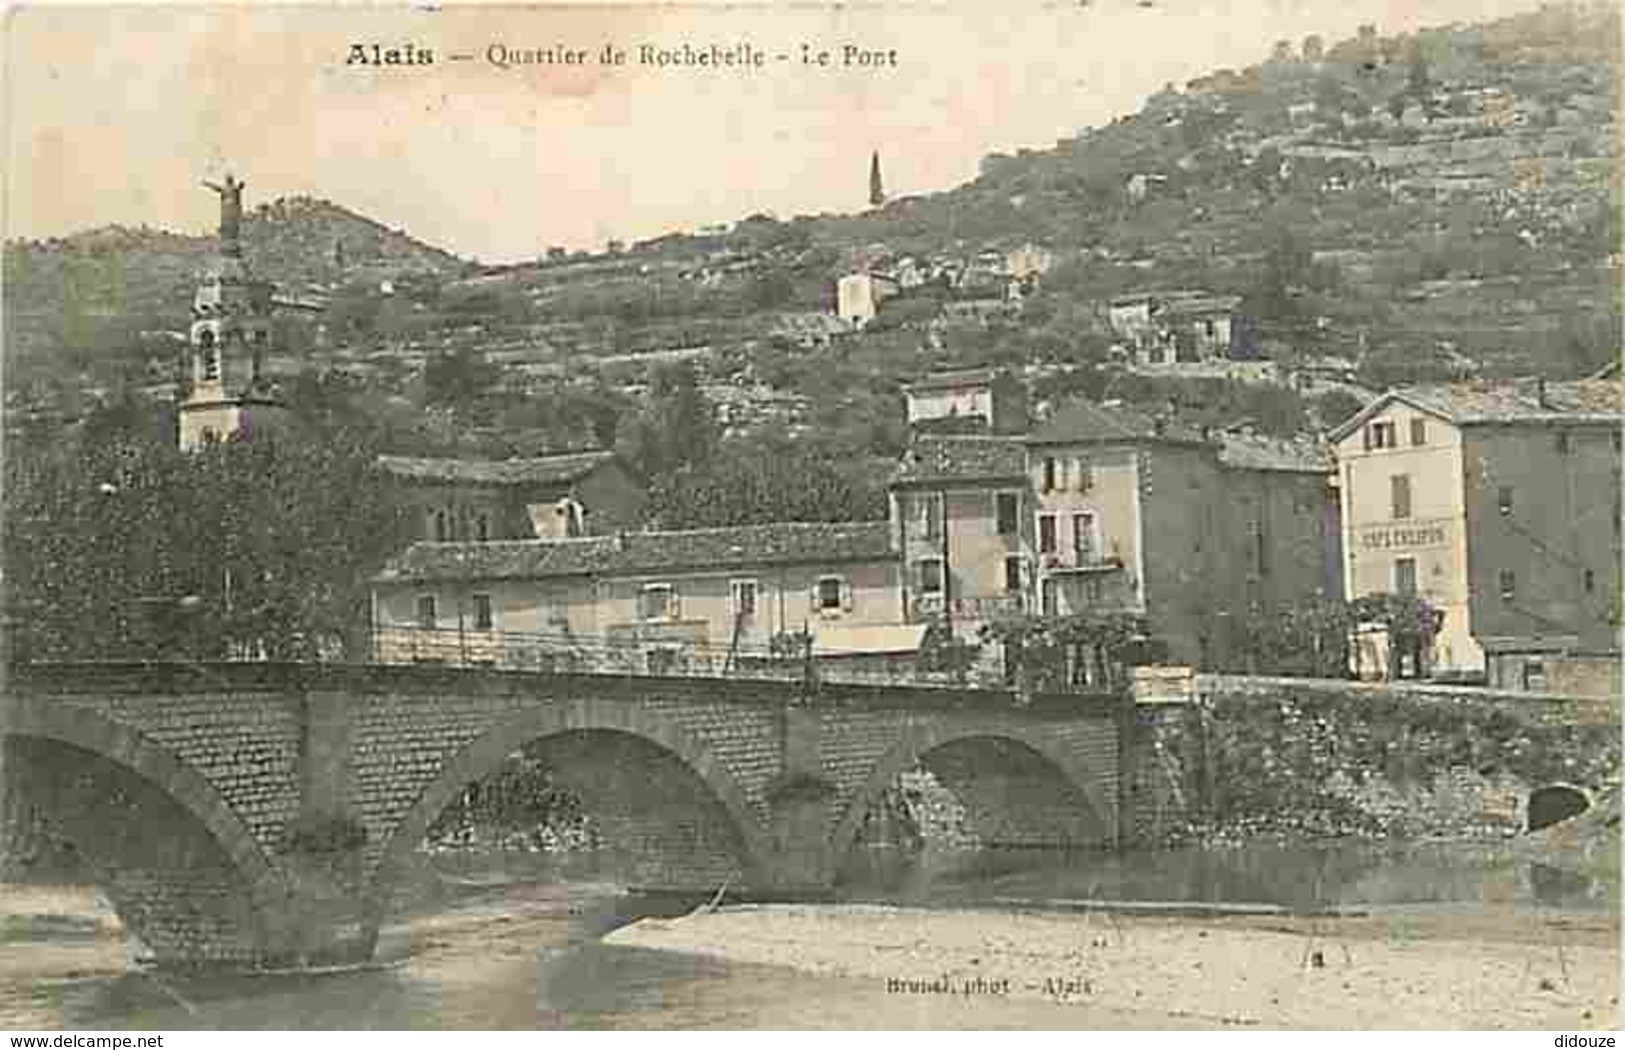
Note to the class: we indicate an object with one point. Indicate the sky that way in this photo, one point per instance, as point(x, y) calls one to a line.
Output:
point(113, 114)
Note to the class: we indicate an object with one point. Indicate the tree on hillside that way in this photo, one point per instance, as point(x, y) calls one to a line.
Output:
point(678, 428)
point(766, 478)
point(457, 378)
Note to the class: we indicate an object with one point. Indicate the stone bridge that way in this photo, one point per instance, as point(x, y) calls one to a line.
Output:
point(265, 814)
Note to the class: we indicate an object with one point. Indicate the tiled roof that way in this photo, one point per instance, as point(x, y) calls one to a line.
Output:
point(1520, 400)
point(542, 470)
point(1083, 421)
point(784, 543)
point(1255, 452)
point(1595, 400)
point(953, 380)
point(961, 458)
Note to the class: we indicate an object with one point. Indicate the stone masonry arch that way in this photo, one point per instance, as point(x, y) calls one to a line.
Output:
point(259, 880)
point(483, 755)
point(917, 742)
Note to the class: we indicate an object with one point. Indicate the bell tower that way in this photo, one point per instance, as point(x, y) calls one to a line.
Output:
point(226, 394)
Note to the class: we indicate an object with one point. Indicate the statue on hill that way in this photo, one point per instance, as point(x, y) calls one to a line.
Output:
point(231, 210)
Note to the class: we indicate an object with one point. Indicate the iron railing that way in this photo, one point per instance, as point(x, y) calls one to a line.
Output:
point(793, 658)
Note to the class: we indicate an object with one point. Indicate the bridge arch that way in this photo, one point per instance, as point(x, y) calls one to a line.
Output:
point(483, 755)
point(917, 743)
point(261, 882)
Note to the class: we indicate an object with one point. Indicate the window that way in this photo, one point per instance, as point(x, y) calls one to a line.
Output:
point(1534, 674)
point(656, 602)
point(743, 593)
point(1046, 533)
point(1381, 435)
point(830, 590)
point(210, 435)
point(1255, 549)
point(1590, 580)
point(931, 512)
point(482, 527)
point(1503, 499)
point(1086, 476)
point(1007, 507)
point(1419, 431)
point(1509, 585)
point(1093, 589)
point(929, 571)
point(1562, 443)
point(1399, 490)
point(482, 612)
point(1083, 538)
point(426, 612)
point(1049, 473)
point(1012, 574)
point(1405, 576)
point(211, 363)
point(1047, 598)
point(569, 514)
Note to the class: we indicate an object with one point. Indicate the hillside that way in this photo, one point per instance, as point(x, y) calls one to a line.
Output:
point(1418, 205)
point(71, 302)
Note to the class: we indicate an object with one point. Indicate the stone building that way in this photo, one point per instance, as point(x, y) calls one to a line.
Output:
point(985, 397)
point(703, 598)
point(1105, 509)
point(1197, 531)
point(1499, 503)
point(1175, 327)
point(554, 497)
point(962, 513)
point(858, 296)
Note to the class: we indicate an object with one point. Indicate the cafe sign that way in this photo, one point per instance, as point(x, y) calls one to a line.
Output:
point(1403, 537)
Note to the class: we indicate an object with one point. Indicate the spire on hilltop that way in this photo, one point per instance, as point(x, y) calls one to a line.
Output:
point(877, 193)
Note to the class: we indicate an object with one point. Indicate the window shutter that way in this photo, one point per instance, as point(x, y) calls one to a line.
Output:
point(846, 595)
point(674, 604)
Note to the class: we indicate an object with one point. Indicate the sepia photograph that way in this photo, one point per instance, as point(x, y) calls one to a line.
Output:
point(1096, 515)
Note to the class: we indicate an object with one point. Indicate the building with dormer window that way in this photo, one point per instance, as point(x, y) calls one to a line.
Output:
point(542, 497)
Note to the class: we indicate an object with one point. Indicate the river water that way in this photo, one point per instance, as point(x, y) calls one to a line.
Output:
point(502, 944)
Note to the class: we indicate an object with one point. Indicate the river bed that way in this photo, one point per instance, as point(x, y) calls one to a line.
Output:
point(502, 944)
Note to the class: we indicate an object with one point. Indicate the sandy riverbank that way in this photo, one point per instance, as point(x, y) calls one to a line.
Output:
point(1481, 969)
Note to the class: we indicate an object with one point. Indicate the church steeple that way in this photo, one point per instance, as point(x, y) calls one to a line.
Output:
point(877, 192)
point(230, 336)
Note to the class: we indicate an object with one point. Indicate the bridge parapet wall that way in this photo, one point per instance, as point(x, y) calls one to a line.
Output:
point(1284, 757)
